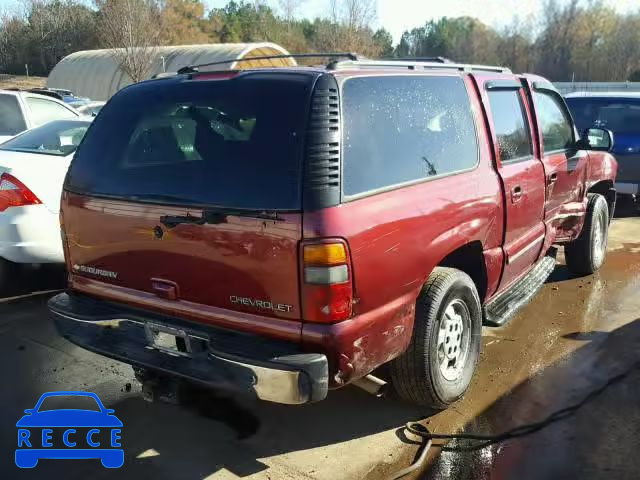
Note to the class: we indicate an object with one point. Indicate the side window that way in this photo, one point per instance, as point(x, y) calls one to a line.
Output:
point(401, 129)
point(44, 111)
point(556, 128)
point(510, 123)
point(11, 118)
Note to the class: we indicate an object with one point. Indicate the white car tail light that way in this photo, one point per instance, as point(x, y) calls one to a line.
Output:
point(13, 193)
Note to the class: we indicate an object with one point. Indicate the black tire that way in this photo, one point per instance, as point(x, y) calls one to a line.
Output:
point(416, 375)
point(586, 253)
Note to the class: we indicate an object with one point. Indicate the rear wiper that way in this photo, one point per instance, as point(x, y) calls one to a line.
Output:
point(218, 215)
point(163, 199)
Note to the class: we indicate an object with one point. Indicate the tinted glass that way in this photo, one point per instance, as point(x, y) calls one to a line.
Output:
point(11, 119)
point(234, 143)
point(510, 124)
point(43, 111)
point(399, 129)
point(557, 132)
point(59, 138)
point(620, 115)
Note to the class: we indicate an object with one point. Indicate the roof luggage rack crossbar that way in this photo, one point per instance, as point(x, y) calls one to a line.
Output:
point(417, 65)
point(194, 68)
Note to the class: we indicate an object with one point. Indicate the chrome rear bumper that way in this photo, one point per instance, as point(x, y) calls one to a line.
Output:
point(270, 370)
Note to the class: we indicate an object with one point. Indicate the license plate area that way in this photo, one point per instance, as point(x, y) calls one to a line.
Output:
point(169, 340)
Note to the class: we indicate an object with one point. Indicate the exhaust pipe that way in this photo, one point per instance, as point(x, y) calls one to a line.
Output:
point(373, 385)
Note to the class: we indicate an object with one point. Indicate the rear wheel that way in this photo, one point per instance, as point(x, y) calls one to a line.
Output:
point(586, 254)
point(438, 365)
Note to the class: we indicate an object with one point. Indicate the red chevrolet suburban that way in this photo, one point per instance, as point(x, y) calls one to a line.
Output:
point(283, 232)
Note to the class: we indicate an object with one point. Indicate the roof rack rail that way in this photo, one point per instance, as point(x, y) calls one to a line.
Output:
point(194, 68)
point(438, 59)
point(416, 65)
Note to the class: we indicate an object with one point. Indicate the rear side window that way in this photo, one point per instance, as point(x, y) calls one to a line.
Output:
point(510, 124)
point(233, 143)
point(556, 128)
point(11, 119)
point(405, 128)
point(44, 111)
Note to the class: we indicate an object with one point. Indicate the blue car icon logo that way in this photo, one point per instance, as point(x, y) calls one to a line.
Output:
point(69, 433)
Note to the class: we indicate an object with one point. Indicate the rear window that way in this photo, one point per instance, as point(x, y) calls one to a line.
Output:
point(234, 143)
point(399, 129)
point(11, 119)
point(620, 115)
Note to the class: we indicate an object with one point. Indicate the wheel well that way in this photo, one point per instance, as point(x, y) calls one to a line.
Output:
point(469, 259)
point(606, 189)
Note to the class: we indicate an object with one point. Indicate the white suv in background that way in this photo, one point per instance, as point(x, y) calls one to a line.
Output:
point(20, 111)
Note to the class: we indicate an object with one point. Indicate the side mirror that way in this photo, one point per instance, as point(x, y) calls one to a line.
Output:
point(597, 139)
point(29, 411)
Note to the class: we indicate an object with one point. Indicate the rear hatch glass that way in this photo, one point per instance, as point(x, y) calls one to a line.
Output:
point(234, 143)
point(192, 189)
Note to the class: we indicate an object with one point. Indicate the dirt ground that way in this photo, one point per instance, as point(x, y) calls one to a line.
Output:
point(574, 336)
point(21, 82)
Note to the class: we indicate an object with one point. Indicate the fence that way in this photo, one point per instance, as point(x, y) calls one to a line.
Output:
point(568, 87)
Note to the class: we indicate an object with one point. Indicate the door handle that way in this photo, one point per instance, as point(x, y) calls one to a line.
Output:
point(516, 193)
point(553, 177)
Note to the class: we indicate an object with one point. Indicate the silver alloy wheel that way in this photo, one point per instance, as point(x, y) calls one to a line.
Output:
point(599, 240)
point(454, 339)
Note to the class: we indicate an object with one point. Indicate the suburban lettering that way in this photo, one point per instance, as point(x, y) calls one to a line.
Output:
point(95, 271)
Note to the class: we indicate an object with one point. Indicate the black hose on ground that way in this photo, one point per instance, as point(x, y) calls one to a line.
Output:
point(484, 441)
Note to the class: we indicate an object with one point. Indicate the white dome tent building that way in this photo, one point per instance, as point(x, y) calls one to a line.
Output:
point(96, 73)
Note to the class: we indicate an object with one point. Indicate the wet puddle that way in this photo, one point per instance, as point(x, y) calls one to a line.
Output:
point(574, 336)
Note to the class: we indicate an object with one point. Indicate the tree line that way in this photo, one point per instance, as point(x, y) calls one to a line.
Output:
point(572, 40)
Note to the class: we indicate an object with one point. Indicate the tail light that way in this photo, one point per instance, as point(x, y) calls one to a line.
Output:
point(13, 193)
point(327, 283)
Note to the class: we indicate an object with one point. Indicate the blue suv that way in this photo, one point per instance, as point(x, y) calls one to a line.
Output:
point(620, 113)
point(35, 433)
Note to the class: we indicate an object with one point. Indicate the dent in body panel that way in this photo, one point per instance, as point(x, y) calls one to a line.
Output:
point(396, 238)
point(602, 166)
point(355, 347)
point(494, 263)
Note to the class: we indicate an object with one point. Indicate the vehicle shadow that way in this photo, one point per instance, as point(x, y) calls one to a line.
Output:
point(599, 440)
point(208, 433)
point(224, 434)
point(33, 280)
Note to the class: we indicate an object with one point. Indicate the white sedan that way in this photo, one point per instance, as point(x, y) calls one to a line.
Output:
point(32, 170)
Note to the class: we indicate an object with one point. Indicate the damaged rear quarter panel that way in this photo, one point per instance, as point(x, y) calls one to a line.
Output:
point(396, 238)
